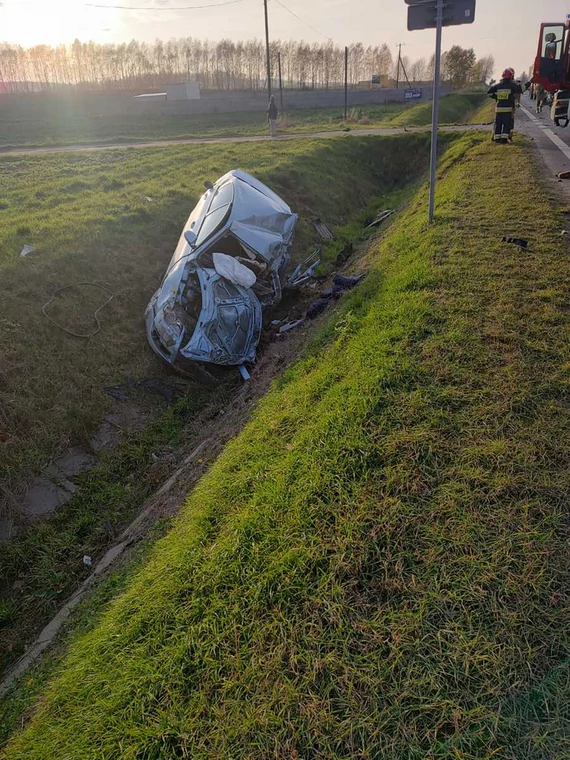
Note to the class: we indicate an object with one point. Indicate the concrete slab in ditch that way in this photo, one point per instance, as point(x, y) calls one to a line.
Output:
point(75, 461)
point(44, 497)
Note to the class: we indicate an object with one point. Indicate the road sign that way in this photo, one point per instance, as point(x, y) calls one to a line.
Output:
point(435, 14)
point(455, 12)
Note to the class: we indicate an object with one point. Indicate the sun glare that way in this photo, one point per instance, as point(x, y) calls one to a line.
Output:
point(38, 22)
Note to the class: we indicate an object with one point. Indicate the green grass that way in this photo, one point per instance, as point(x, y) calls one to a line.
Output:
point(453, 109)
point(90, 220)
point(36, 121)
point(485, 114)
point(16, 706)
point(377, 566)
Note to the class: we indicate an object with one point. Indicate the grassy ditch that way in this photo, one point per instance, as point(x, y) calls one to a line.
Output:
point(377, 566)
point(453, 109)
point(116, 217)
point(53, 386)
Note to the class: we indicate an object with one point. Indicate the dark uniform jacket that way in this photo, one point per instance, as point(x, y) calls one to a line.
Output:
point(272, 111)
point(505, 92)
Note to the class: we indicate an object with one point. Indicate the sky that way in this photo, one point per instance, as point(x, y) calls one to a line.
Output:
point(508, 29)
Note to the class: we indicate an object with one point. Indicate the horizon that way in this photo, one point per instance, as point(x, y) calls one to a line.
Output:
point(32, 22)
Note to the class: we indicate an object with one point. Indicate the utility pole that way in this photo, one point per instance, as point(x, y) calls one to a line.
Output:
point(280, 80)
point(267, 49)
point(399, 46)
point(346, 84)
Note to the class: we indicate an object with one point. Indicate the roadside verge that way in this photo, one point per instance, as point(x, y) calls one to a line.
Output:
point(378, 562)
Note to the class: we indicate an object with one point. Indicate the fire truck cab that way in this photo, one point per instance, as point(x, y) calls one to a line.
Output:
point(552, 68)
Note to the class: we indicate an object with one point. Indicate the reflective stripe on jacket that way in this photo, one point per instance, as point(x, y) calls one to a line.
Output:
point(505, 93)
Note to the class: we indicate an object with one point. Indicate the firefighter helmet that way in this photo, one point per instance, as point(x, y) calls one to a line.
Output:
point(508, 74)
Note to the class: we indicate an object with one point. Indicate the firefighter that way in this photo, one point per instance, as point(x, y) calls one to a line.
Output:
point(505, 93)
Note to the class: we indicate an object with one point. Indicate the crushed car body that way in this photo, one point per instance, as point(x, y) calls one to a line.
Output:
point(228, 267)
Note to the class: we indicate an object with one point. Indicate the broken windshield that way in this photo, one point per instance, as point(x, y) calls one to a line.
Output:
point(219, 208)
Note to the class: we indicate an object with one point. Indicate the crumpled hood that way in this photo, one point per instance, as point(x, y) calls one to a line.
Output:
point(229, 326)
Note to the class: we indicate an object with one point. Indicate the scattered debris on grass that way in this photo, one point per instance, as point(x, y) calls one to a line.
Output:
point(382, 216)
point(27, 249)
point(322, 229)
point(244, 373)
point(340, 285)
point(102, 286)
point(291, 325)
point(304, 271)
point(516, 241)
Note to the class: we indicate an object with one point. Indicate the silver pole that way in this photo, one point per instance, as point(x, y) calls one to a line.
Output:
point(435, 110)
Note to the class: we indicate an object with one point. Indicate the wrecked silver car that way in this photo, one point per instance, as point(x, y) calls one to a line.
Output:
point(229, 265)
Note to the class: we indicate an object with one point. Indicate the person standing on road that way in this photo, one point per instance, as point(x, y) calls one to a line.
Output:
point(272, 114)
point(505, 93)
point(540, 94)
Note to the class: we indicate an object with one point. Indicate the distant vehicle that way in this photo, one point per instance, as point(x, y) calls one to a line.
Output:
point(229, 265)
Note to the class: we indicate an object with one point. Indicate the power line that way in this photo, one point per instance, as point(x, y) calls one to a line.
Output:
point(302, 21)
point(165, 8)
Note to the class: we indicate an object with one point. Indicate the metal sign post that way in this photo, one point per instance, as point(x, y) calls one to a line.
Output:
point(435, 14)
point(435, 109)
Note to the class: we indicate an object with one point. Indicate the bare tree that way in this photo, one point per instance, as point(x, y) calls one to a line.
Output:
point(418, 70)
point(224, 65)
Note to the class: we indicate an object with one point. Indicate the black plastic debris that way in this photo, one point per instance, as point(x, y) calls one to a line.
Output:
point(516, 241)
point(322, 229)
point(340, 285)
point(117, 393)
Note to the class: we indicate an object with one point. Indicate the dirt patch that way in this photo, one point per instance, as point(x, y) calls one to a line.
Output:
point(126, 418)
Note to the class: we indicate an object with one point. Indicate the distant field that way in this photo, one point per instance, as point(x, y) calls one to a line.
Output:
point(34, 121)
point(39, 121)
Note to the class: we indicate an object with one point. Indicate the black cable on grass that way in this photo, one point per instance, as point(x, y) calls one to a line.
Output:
point(95, 315)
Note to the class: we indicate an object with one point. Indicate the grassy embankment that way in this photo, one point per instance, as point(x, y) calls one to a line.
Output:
point(89, 217)
point(456, 108)
point(378, 565)
point(485, 114)
point(32, 121)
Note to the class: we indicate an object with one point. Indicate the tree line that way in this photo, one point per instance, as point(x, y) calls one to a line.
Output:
point(223, 65)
